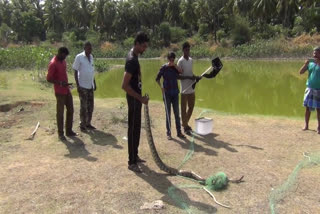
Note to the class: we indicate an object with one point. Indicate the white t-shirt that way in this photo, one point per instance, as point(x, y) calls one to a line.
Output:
point(85, 70)
point(186, 66)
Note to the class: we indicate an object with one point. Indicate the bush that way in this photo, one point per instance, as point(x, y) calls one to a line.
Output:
point(128, 42)
point(221, 35)
point(177, 34)
point(203, 31)
point(69, 39)
point(101, 66)
point(93, 37)
point(298, 28)
point(165, 33)
point(53, 36)
point(241, 33)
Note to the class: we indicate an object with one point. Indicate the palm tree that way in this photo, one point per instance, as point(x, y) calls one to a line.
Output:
point(264, 9)
point(287, 9)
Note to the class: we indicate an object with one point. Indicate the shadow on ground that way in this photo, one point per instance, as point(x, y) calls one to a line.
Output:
point(161, 183)
point(210, 141)
point(77, 149)
point(101, 138)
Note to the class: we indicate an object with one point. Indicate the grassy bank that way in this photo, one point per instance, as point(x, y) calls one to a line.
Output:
point(37, 57)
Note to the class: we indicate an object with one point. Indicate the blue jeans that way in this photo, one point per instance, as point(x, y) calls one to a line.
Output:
point(174, 101)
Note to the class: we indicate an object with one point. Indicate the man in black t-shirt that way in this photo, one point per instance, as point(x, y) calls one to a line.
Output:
point(132, 85)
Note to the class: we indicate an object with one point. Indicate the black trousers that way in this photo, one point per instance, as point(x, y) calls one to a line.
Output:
point(134, 127)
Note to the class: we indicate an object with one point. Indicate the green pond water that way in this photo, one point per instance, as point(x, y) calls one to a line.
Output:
point(242, 86)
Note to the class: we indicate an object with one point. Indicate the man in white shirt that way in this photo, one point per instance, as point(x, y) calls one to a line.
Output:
point(84, 77)
point(187, 92)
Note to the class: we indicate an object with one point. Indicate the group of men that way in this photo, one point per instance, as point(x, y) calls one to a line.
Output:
point(84, 77)
point(131, 84)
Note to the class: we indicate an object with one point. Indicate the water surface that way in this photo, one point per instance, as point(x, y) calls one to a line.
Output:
point(242, 86)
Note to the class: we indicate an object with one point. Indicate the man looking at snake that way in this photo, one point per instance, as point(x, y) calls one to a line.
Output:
point(170, 73)
point(187, 93)
point(132, 85)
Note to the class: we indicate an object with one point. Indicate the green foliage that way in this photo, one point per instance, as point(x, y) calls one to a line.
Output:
point(5, 32)
point(165, 33)
point(25, 57)
point(221, 34)
point(93, 37)
point(203, 30)
point(53, 36)
point(101, 66)
point(165, 21)
point(177, 34)
point(240, 33)
point(298, 28)
point(128, 42)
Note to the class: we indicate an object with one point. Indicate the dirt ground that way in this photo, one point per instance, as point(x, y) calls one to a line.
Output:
point(88, 173)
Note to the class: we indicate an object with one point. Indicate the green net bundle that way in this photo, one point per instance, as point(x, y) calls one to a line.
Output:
point(280, 192)
point(217, 182)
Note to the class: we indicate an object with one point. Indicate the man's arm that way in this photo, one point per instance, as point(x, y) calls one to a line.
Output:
point(95, 85)
point(75, 67)
point(76, 77)
point(127, 88)
point(304, 68)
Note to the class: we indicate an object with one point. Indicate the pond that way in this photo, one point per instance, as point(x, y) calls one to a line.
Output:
point(242, 86)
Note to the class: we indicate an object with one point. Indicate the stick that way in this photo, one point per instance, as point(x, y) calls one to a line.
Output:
point(215, 198)
point(34, 132)
point(239, 180)
point(165, 103)
point(195, 81)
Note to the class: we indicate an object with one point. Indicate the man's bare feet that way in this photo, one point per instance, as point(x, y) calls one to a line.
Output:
point(305, 129)
point(318, 131)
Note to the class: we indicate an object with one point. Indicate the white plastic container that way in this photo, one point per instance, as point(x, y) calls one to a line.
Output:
point(203, 125)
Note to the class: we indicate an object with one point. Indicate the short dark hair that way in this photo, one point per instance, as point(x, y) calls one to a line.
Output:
point(63, 50)
point(141, 37)
point(171, 54)
point(185, 45)
point(87, 43)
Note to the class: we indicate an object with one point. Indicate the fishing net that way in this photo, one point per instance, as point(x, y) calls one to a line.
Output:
point(283, 190)
point(215, 182)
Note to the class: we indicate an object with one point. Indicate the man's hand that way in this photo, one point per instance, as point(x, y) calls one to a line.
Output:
point(163, 90)
point(144, 100)
point(198, 78)
point(63, 83)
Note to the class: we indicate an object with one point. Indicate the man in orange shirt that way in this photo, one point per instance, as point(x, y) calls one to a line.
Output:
point(57, 75)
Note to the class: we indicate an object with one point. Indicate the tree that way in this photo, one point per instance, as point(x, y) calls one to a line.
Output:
point(287, 10)
point(70, 14)
point(105, 14)
point(188, 15)
point(173, 12)
point(264, 9)
point(37, 9)
point(5, 12)
point(53, 19)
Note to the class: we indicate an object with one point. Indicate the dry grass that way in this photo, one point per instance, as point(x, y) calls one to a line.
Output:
point(307, 39)
point(88, 174)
